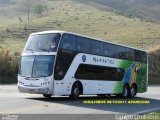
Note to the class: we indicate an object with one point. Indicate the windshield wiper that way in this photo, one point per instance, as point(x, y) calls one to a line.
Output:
point(44, 49)
point(30, 50)
point(42, 76)
point(27, 77)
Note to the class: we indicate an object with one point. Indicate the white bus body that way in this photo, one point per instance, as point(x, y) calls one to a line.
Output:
point(91, 72)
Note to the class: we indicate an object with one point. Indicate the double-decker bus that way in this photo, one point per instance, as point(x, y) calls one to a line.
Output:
point(58, 63)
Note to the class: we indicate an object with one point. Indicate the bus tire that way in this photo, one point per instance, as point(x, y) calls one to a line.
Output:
point(47, 95)
point(133, 90)
point(101, 95)
point(119, 95)
point(75, 92)
point(108, 95)
point(126, 91)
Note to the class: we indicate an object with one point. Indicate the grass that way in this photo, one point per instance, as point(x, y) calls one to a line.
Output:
point(13, 45)
point(157, 112)
point(154, 81)
point(150, 116)
point(9, 63)
point(154, 65)
point(80, 18)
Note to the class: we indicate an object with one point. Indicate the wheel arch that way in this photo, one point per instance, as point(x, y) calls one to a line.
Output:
point(126, 84)
point(80, 86)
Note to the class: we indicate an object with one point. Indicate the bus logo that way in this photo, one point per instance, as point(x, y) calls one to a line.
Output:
point(84, 58)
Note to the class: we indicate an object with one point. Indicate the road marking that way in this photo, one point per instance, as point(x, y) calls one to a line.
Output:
point(147, 111)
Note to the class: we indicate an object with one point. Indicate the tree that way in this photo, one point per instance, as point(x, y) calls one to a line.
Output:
point(25, 6)
point(39, 8)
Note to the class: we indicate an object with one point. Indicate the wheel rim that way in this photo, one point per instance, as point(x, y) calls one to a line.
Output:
point(125, 93)
point(132, 91)
point(76, 91)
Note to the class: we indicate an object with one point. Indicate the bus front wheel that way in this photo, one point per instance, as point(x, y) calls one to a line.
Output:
point(47, 96)
point(75, 92)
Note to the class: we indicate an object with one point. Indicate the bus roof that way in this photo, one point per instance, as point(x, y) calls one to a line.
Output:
point(62, 32)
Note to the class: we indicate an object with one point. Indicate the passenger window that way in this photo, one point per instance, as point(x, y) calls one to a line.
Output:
point(96, 47)
point(109, 50)
point(143, 57)
point(130, 54)
point(120, 74)
point(68, 42)
point(137, 56)
point(94, 72)
point(120, 52)
point(83, 44)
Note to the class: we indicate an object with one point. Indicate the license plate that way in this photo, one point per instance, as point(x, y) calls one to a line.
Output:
point(31, 90)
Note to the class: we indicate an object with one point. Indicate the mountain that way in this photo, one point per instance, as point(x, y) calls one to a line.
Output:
point(148, 10)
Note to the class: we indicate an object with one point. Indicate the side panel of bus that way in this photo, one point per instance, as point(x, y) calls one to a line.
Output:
point(75, 51)
point(135, 72)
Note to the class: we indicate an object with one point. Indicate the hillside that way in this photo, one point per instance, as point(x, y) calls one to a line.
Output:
point(148, 10)
point(84, 19)
point(75, 17)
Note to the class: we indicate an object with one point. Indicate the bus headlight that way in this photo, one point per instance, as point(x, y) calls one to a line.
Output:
point(20, 83)
point(46, 79)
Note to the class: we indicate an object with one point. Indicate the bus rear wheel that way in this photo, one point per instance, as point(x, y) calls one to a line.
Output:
point(133, 91)
point(47, 96)
point(101, 95)
point(126, 91)
point(75, 92)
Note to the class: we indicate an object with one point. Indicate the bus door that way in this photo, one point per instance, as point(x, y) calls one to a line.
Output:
point(58, 87)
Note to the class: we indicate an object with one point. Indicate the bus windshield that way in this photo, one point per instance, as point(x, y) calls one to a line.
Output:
point(36, 66)
point(42, 42)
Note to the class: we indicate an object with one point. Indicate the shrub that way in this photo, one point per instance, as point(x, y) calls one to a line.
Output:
point(154, 64)
point(9, 63)
point(39, 9)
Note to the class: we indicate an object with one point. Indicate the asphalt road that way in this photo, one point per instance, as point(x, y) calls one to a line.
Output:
point(11, 101)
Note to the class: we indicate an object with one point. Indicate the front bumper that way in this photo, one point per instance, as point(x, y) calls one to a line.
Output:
point(33, 90)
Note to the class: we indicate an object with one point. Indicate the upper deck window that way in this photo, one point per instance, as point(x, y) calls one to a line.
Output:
point(43, 42)
point(109, 50)
point(96, 47)
point(83, 44)
point(68, 42)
